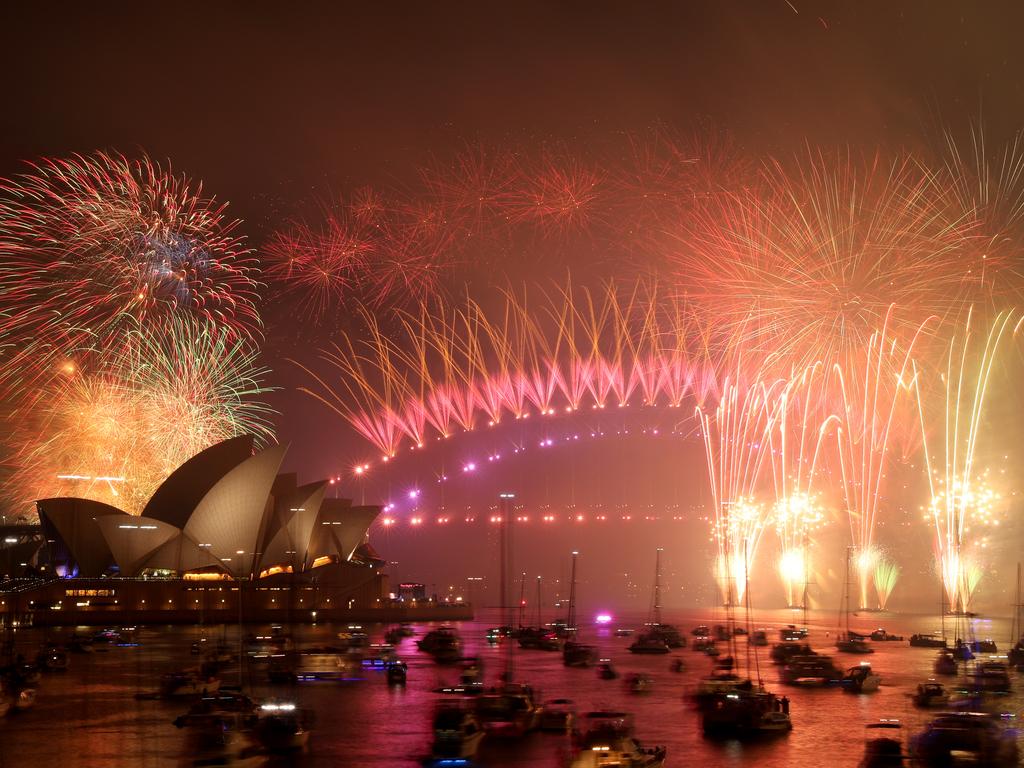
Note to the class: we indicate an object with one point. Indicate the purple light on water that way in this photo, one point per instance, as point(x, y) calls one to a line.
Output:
point(603, 618)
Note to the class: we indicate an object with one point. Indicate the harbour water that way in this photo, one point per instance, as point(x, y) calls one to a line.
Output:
point(96, 713)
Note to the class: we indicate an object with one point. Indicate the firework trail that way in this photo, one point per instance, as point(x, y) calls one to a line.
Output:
point(796, 449)
point(957, 496)
point(88, 244)
point(868, 392)
point(737, 440)
point(448, 369)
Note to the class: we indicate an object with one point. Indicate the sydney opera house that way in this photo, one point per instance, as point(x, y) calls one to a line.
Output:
point(224, 534)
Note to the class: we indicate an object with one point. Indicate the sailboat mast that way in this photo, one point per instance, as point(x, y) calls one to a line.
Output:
point(505, 563)
point(539, 624)
point(1015, 630)
point(846, 594)
point(522, 599)
point(571, 619)
point(657, 586)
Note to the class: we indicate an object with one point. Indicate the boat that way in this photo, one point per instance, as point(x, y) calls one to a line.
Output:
point(578, 654)
point(860, 679)
point(814, 670)
point(883, 747)
point(792, 633)
point(655, 627)
point(187, 683)
point(992, 677)
point(325, 664)
point(987, 645)
point(605, 670)
point(624, 631)
point(672, 637)
point(979, 737)
point(928, 641)
point(24, 699)
point(781, 653)
point(702, 630)
point(227, 701)
point(722, 633)
point(282, 727)
point(457, 734)
point(1015, 656)
point(397, 672)
point(539, 639)
point(962, 651)
point(945, 664)
point(638, 683)
point(702, 645)
point(558, 715)
point(443, 644)
point(758, 637)
point(848, 641)
point(880, 636)
point(607, 740)
point(648, 644)
point(930, 694)
point(52, 659)
point(509, 710)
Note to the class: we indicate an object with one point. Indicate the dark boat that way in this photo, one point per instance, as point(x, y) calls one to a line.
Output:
point(983, 738)
point(648, 644)
point(945, 664)
point(883, 747)
point(578, 654)
point(442, 644)
point(928, 641)
point(783, 652)
point(880, 635)
point(810, 671)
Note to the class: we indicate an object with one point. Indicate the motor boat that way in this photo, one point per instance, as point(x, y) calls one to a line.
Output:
point(24, 699)
point(471, 672)
point(883, 747)
point(992, 677)
point(982, 737)
point(647, 643)
point(962, 651)
point(457, 734)
point(578, 654)
point(283, 728)
point(672, 637)
point(624, 631)
point(325, 664)
point(781, 653)
point(509, 710)
point(983, 646)
point(851, 642)
point(702, 630)
point(397, 672)
point(930, 694)
point(860, 679)
point(703, 645)
point(442, 644)
point(605, 670)
point(792, 633)
point(52, 659)
point(353, 637)
point(749, 710)
point(810, 671)
point(1015, 656)
point(558, 715)
point(759, 638)
point(539, 639)
point(607, 740)
point(928, 641)
point(226, 701)
point(945, 664)
point(880, 635)
point(186, 684)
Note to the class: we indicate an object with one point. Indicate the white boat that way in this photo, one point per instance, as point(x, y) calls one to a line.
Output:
point(608, 741)
point(861, 679)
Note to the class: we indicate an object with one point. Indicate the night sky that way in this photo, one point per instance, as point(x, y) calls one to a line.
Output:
point(272, 106)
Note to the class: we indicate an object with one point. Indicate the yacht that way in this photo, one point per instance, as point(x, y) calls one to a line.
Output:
point(508, 710)
point(188, 683)
point(991, 676)
point(539, 639)
point(282, 728)
point(758, 637)
point(928, 641)
point(605, 670)
point(983, 646)
point(607, 740)
point(792, 633)
point(860, 679)
point(52, 659)
point(880, 635)
point(930, 694)
point(747, 710)
point(397, 672)
point(981, 737)
point(883, 747)
point(781, 653)
point(558, 715)
point(672, 637)
point(578, 654)
point(442, 644)
point(850, 644)
point(810, 671)
point(648, 644)
point(945, 664)
point(457, 734)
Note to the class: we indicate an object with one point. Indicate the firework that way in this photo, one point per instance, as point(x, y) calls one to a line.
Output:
point(114, 432)
point(89, 244)
point(736, 442)
point(886, 575)
point(868, 393)
point(957, 497)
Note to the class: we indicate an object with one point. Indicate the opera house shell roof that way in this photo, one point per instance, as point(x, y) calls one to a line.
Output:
point(225, 509)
